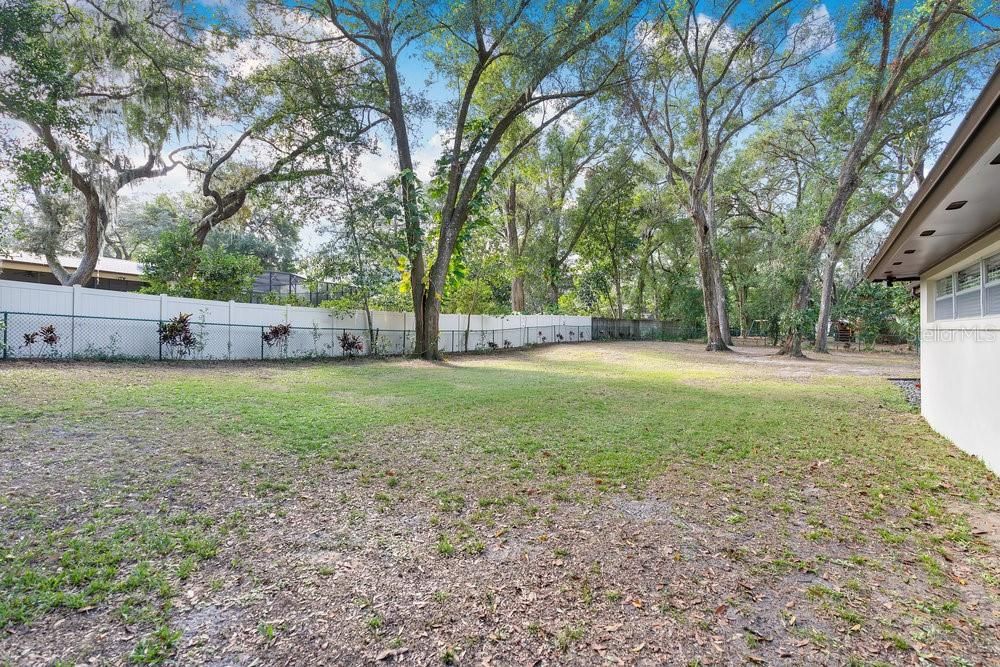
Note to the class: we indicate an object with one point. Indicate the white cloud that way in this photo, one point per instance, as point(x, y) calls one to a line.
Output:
point(815, 32)
point(568, 122)
point(382, 163)
point(723, 40)
point(376, 166)
point(298, 33)
point(427, 154)
point(647, 35)
point(248, 57)
point(176, 181)
point(652, 35)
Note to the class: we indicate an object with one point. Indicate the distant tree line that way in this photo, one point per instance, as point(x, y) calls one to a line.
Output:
point(722, 164)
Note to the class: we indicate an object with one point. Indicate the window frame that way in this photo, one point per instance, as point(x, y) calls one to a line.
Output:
point(950, 296)
point(986, 261)
point(960, 291)
point(987, 284)
point(984, 284)
point(978, 268)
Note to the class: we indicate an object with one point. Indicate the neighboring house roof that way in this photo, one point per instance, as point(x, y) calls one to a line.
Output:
point(957, 204)
point(105, 265)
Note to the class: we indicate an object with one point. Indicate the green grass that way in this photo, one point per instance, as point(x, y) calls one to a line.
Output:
point(156, 647)
point(267, 631)
point(78, 569)
point(503, 424)
point(617, 422)
point(568, 636)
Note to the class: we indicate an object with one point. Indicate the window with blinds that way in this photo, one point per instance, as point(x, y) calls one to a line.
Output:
point(969, 298)
point(972, 292)
point(991, 299)
point(944, 302)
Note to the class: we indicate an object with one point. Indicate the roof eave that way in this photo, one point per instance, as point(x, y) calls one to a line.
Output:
point(978, 114)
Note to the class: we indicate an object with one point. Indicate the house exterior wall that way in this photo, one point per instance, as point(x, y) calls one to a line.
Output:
point(115, 283)
point(960, 364)
point(33, 269)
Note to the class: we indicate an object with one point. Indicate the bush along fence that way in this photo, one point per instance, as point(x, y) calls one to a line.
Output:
point(106, 324)
point(187, 336)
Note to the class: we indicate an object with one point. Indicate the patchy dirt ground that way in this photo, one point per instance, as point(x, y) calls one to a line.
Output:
point(419, 544)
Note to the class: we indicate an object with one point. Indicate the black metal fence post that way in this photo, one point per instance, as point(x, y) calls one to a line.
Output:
point(262, 343)
point(5, 335)
point(159, 337)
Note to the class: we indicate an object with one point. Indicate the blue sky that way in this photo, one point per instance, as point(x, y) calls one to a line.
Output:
point(426, 136)
point(419, 77)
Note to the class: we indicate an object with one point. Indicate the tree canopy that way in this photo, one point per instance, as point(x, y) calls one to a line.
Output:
point(728, 165)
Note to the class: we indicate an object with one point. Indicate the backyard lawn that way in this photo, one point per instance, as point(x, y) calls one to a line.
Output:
point(633, 503)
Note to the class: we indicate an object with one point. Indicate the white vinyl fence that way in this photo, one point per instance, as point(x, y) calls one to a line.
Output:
point(78, 322)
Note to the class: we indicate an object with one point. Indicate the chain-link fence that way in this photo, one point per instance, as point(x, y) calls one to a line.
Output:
point(612, 329)
point(39, 336)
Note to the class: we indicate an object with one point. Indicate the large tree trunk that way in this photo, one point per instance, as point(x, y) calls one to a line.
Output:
point(721, 302)
point(554, 292)
point(411, 217)
point(826, 301)
point(433, 288)
point(654, 289)
point(517, 294)
point(420, 340)
point(95, 222)
point(231, 205)
point(95, 218)
point(740, 291)
point(706, 264)
point(640, 293)
point(793, 340)
point(431, 321)
point(848, 183)
point(517, 281)
point(619, 304)
point(646, 272)
point(717, 284)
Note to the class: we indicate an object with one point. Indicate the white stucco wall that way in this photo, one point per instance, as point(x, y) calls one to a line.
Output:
point(960, 366)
